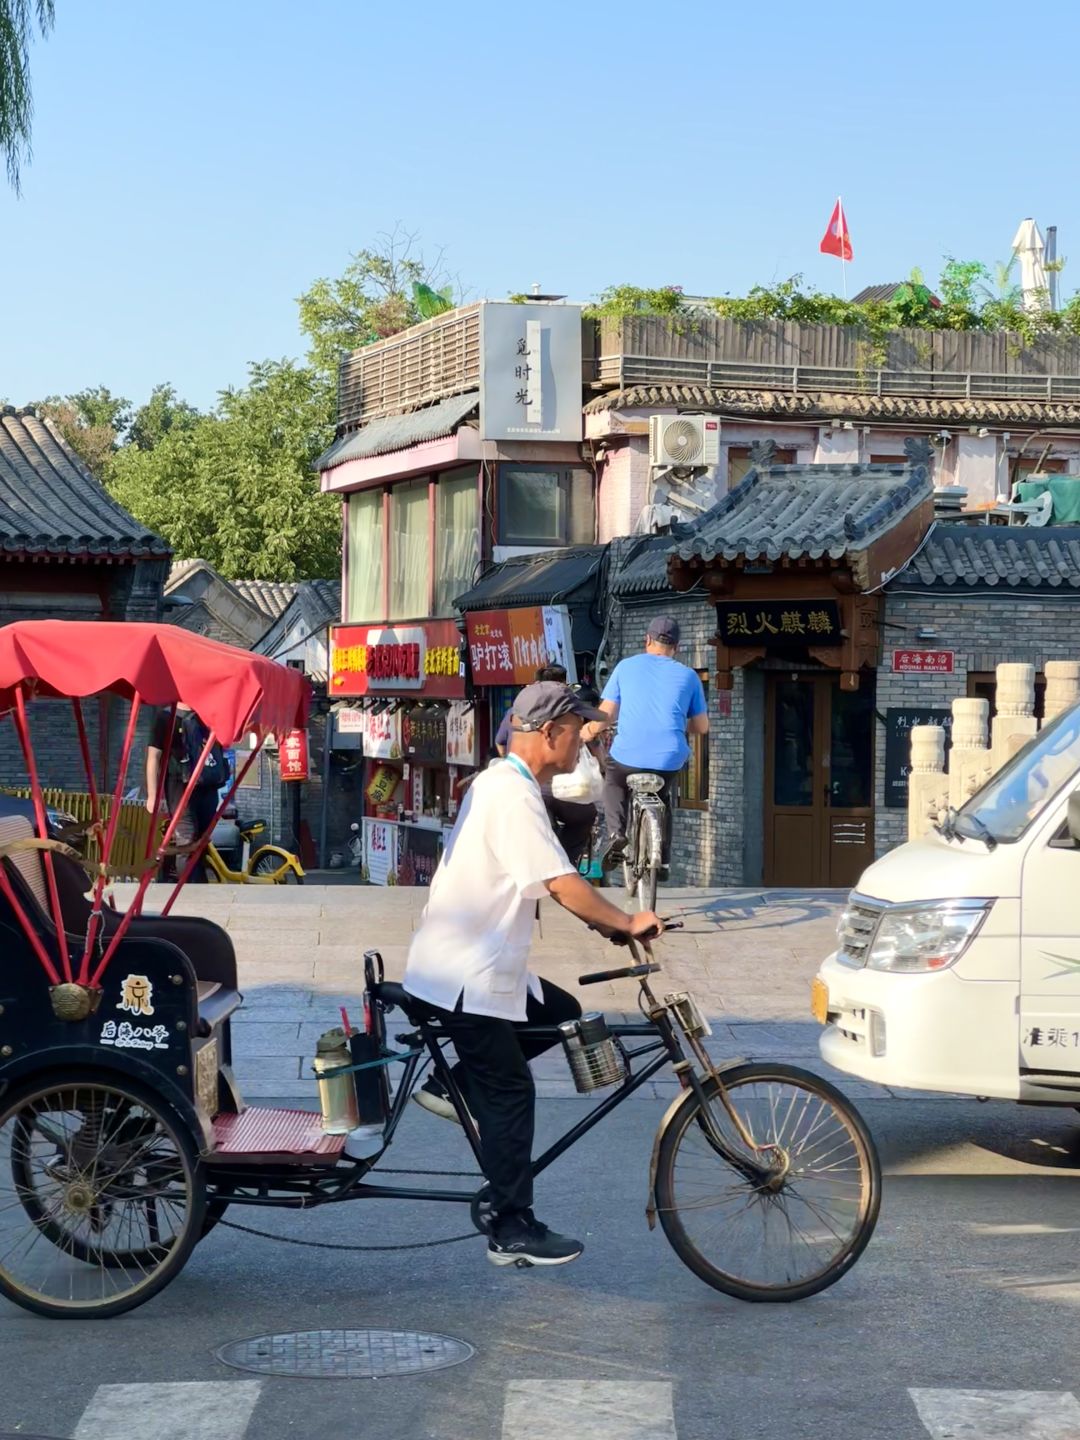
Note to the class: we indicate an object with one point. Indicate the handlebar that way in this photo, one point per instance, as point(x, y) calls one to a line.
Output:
point(625, 972)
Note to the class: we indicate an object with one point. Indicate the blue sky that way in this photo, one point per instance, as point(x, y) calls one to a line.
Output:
point(197, 165)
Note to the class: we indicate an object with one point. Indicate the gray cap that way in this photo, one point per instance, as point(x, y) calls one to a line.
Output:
point(548, 700)
point(665, 629)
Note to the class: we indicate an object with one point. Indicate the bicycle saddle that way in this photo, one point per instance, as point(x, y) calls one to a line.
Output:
point(645, 782)
point(396, 997)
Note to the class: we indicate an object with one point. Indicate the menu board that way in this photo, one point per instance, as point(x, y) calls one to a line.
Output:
point(381, 851)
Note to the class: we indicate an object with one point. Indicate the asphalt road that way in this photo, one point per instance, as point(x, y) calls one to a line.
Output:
point(971, 1282)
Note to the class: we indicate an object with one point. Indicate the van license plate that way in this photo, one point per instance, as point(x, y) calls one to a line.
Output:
point(819, 1001)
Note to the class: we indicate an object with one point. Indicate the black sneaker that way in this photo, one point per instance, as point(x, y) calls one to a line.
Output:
point(435, 1099)
point(614, 854)
point(522, 1240)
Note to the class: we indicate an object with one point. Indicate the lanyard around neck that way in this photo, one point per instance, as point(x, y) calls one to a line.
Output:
point(522, 769)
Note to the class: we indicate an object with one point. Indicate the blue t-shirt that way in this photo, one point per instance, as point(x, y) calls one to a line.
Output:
point(656, 695)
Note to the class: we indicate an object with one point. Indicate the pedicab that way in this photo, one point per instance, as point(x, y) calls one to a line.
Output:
point(124, 1135)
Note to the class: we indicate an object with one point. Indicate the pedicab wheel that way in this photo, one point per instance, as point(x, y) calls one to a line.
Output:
point(106, 1197)
point(777, 1226)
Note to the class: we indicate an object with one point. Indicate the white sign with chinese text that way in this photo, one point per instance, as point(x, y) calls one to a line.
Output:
point(380, 851)
point(349, 722)
point(461, 746)
point(530, 377)
point(382, 735)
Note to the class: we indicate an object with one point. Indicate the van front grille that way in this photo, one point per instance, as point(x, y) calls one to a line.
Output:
point(855, 931)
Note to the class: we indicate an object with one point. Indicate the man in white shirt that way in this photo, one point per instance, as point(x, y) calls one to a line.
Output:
point(469, 958)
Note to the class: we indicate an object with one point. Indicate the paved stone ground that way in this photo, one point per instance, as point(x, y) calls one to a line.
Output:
point(747, 955)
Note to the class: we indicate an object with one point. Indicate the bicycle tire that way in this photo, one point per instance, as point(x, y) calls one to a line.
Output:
point(74, 1090)
point(649, 843)
point(673, 1218)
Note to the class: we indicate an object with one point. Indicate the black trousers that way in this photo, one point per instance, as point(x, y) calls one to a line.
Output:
point(617, 799)
point(572, 823)
point(493, 1073)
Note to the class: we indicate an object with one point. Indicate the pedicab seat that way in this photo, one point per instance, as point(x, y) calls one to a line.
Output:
point(396, 997)
point(206, 945)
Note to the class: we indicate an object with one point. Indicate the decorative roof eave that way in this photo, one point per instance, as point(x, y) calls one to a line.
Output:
point(828, 405)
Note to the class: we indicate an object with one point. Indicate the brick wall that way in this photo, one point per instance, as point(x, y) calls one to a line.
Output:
point(982, 631)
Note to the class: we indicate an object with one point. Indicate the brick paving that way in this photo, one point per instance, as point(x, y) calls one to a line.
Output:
point(747, 955)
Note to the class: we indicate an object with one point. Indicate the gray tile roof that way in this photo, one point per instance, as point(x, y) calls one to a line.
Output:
point(398, 432)
point(642, 566)
point(998, 558)
point(827, 405)
point(806, 510)
point(50, 504)
point(269, 597)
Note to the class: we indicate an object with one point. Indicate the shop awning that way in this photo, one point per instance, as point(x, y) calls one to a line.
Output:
point(571, 576)
point(398, 432)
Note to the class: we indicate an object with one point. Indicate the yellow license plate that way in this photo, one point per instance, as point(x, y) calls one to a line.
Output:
point(819, 1001)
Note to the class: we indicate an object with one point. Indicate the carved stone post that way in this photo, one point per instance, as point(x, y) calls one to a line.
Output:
point(928, 785)
point(1062, 686)
point(969, 757)
point(1015, 721)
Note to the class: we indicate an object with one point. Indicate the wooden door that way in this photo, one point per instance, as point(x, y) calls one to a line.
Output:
point(819, 780)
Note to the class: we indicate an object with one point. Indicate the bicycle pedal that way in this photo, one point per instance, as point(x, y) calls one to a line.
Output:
point(521, 1263)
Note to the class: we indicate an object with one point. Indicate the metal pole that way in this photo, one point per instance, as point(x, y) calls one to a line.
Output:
point(327, 736)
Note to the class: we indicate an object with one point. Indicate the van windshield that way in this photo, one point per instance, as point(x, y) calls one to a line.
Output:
point(1011, 800)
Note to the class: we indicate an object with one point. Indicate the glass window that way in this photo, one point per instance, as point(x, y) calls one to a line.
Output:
point(1011, 800)
point(851, 753)
point(365, 556)
point(793, 744)
point(410, 540)
point(540, 506)
point(694, 781)
point(457, 538)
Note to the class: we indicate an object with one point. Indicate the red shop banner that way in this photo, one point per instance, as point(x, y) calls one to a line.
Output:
point(293, 755)
point(421, 659)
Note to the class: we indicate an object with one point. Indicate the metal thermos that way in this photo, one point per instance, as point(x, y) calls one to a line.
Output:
point(595, 1059)
point(337, 1093)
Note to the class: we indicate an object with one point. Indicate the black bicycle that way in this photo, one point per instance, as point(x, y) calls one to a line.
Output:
point(764, 1177)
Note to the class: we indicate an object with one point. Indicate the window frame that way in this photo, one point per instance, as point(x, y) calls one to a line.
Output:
point(697, 767)
point(785, 455)
point(565, 473)
point(982, 685)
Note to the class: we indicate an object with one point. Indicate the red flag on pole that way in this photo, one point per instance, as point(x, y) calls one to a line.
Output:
point(837, 238)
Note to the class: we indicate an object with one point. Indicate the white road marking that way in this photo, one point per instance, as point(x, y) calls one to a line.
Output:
point(185, 1410)
point(588, 1410)
point(998, 1414)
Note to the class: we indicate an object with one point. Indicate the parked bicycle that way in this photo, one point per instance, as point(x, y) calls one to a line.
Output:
point(268, 865)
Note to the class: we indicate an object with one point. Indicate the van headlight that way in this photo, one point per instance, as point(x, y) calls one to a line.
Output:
point(926, 937)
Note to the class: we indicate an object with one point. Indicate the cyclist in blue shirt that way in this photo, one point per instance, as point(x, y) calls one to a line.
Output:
point(657, 701)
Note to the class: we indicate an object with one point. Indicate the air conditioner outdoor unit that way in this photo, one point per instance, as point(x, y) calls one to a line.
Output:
point(684, 440)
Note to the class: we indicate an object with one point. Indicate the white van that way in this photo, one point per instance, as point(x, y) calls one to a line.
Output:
point(958, 967)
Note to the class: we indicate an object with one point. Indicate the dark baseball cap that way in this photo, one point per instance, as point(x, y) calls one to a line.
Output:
point(665, 629)
point(548, 700)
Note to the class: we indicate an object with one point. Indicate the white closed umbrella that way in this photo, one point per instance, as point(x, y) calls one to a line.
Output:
point(1029, 250)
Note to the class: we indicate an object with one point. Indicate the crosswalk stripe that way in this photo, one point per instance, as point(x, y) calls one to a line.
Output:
point(1000, 1414)
point(184, 1410)
point(588, 1410)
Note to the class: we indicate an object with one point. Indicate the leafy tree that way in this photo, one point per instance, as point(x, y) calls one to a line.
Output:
point(237, 487)
point(162, 412)
point(92, 422)
point(380, 292)
point(16, 98)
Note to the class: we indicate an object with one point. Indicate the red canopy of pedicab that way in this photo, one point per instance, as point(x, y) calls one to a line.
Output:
point(231, 690)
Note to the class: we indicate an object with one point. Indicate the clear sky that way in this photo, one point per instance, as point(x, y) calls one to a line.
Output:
point(196, 165)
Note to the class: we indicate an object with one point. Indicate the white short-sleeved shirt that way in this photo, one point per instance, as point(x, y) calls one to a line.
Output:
point(474, 935)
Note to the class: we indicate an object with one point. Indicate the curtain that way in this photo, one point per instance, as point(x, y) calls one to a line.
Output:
point(457, 538)
point(409, 539)
point(365, 546)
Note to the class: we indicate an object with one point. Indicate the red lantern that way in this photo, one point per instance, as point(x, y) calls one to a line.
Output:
point(293, 755)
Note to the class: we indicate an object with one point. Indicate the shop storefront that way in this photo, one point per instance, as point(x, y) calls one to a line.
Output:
point(401, 690)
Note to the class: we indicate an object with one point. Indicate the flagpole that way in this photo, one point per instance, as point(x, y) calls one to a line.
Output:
point(843, 241)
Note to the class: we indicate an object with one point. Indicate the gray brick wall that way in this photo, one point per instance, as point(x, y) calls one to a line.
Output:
point(982, 631)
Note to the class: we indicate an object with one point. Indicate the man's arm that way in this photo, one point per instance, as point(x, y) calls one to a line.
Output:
point(697, 725)
point(153, 775)
point(610, 708)
point(574, 893)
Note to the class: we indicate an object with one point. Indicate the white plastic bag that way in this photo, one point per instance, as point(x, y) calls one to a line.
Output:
point(584, 784)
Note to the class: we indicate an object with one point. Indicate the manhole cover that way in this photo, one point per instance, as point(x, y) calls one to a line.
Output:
point(345, 1354)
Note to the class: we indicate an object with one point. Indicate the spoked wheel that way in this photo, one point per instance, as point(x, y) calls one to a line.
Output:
point(269, 864)
point(786, 1221)
point(105, 1200)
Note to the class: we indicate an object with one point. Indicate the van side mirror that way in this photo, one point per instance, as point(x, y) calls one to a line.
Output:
point(1074, 818)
